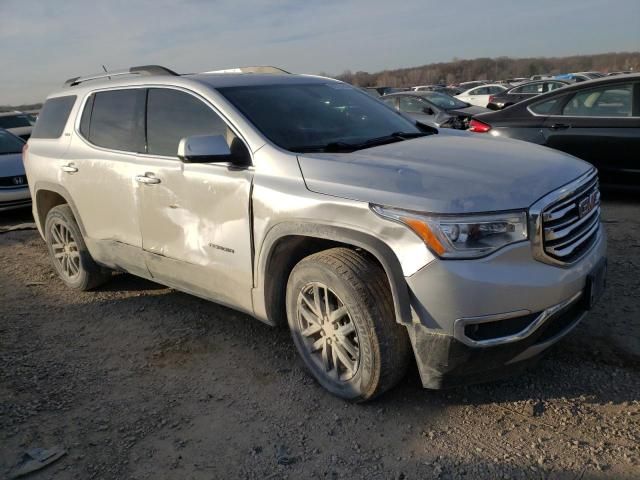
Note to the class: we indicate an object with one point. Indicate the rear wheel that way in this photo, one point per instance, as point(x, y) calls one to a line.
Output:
point(68, 252)
point(342, 320)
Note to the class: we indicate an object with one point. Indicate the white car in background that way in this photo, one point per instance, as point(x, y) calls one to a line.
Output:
point(14, 191)
point(480, 95)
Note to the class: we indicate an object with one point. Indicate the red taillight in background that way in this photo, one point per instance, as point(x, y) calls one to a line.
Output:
point(491, 97)
point(478, 126)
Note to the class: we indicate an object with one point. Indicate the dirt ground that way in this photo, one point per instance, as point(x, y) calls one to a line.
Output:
point(138, 381)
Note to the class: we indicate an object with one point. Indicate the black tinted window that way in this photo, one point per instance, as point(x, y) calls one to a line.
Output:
point(117, 120)
point(53, 117)
point(173, 115)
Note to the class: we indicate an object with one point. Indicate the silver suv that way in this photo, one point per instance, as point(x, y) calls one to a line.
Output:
point(302, 200)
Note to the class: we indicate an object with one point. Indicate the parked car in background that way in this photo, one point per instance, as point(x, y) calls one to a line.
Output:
point(14, 190)
point(480, 95)
point(300, 200)
point(434, 108)
point(386, 90)
point(598, 121)
point(517, 81)
point(541, 76)
point(468, 85)
point(521, 92)
point(17, 123)
point(451, 91)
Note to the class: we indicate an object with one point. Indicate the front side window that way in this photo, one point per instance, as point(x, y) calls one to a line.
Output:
point(173, 115)
point(117, 120)
point(391, 101)
point(308, 116)
point(611, 101)
point(53, 117)
point(549, 86)
point(535, 88)
point(479, 91)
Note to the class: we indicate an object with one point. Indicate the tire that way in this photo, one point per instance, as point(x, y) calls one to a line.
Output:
point(360, 324)
point(68, 252)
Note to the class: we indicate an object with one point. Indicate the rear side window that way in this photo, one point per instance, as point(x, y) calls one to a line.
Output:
point(53, 117)
point(173, 115)
point(117, 120)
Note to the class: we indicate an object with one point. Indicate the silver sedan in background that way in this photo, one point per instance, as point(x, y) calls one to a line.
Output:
point(14, 191)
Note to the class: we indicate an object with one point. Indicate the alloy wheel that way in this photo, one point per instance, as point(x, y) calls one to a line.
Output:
point(65, 250)
point(327, 331)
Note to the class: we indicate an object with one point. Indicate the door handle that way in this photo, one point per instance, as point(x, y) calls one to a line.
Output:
point(69, 168)
point(147, 179)
point(560, 126)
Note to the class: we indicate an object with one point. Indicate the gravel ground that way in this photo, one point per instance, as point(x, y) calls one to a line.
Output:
point(138, 381)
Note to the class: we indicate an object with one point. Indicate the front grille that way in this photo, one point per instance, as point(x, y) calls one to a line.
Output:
point(570, 226)
point(13, 182)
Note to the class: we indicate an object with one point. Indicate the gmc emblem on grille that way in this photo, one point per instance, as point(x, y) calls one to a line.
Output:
point(587, 204)
point(18, 180)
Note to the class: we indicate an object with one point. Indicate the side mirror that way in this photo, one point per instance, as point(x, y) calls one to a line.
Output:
point(428, 110)
point(204, 149)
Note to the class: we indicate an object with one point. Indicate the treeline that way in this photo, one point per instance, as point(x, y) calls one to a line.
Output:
point(499, 68)
point(10, 108)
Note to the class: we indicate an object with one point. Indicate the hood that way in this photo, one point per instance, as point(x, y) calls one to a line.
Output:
point(468, 111)
point(452, 172)
point(11, 165)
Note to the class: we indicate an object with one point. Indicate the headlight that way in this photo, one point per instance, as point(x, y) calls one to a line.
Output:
point(462, 236)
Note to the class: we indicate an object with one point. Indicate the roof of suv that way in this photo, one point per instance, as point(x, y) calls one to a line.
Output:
point(212, 80)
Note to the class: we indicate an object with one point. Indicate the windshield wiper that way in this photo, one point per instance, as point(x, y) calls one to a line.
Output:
point(339, 147)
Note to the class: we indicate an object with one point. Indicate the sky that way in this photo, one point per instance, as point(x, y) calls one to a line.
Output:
point(44, 42)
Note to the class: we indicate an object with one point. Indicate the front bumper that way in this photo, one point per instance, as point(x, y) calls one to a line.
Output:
point(525, 305)
point(11, 198)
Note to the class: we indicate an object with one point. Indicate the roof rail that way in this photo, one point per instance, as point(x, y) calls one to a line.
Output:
point(258, 69)
point(141, 70)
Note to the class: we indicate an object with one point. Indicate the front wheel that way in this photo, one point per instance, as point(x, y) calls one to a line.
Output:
point(341, 315)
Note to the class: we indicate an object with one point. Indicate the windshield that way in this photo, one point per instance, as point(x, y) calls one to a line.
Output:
point(444, 101)
point(14, 121)
point(9, 143)
point(309, 117)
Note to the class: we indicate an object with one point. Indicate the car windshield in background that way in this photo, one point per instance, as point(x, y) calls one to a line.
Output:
point(444, 101)
point(319, 117)
point(9, 143)
point(14, 121)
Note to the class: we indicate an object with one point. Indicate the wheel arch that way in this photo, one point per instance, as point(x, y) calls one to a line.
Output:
point(288, 243)
point(49, 195)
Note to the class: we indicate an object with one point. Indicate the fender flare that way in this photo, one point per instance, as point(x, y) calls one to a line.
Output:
point(64, 193)
point(380, 250)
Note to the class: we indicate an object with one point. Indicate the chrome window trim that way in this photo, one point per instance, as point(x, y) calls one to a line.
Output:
point(461, 323)
point(536, 233)
point(83, 102)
